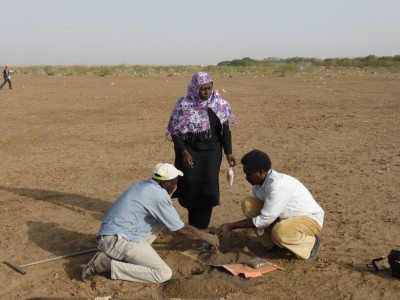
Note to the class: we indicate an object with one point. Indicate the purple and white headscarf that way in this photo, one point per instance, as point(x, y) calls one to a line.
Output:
point(189, 118)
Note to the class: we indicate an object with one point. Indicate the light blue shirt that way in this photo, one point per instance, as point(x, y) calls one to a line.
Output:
point(138, 209)
point(285, 197)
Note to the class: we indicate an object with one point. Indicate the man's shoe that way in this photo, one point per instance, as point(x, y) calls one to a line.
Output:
point(315, 249)
point(99, 263)
point(90, 269)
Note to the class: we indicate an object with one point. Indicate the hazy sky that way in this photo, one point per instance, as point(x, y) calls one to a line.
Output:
point(186, 32)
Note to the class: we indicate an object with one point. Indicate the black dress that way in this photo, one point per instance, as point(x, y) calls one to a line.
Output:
point(199, 187)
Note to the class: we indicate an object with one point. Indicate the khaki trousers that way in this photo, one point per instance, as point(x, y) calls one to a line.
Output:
point(295, 234)
point(137, 262)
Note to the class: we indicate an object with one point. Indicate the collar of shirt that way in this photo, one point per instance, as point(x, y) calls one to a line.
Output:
point(266, 183)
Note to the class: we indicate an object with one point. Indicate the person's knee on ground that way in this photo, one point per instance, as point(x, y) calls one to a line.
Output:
point(140, 273)
point(163, 275)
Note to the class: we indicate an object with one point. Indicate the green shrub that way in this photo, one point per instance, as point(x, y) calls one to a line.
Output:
point(246, 65)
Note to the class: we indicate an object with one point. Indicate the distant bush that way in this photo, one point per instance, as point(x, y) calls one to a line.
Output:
point(296, 64)
point(285, 69)
point(267, 66)
point(244, 62)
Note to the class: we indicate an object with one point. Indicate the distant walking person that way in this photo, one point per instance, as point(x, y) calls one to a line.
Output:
point(7, 78)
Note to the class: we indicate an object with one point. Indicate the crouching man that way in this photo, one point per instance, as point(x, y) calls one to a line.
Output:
point(133, 223)
point(283, 211)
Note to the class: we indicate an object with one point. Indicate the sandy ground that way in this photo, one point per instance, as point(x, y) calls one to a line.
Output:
point(70, 145)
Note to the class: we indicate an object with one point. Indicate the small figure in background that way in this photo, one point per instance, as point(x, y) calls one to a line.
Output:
point(7, 78)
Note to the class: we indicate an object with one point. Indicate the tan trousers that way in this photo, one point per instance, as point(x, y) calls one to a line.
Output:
point(295, 234)
point(137, 262)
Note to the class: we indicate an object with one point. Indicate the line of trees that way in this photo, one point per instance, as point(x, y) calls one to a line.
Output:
point(357, 62)
point(247, 65)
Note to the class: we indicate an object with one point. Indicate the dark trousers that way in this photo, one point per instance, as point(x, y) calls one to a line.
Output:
point(9, 83)
point(200, 217)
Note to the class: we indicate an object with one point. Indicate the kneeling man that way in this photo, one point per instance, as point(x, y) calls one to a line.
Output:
point(283, 211)
point(133, 223)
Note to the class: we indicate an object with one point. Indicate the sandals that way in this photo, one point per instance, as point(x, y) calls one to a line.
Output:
point(90, 269)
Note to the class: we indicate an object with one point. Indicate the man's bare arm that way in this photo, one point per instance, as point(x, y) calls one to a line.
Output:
point(196, 234)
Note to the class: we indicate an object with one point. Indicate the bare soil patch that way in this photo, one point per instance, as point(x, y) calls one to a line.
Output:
point(70, 145)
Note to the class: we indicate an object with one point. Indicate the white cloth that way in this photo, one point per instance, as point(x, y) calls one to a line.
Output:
point(284, 197)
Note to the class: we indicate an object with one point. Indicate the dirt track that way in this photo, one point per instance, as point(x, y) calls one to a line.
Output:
point(70, 145)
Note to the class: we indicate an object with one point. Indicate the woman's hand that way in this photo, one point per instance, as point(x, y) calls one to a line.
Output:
point(187, 159)
point(231, 160)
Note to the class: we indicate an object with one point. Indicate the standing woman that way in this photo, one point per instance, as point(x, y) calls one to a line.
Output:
point(199, 128)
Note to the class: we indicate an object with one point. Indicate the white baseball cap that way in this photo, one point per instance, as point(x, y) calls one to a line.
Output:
point(165, 171)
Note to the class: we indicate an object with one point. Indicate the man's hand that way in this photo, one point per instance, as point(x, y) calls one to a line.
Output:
point(211, 239)
point(194, 233)
point(224, 229)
